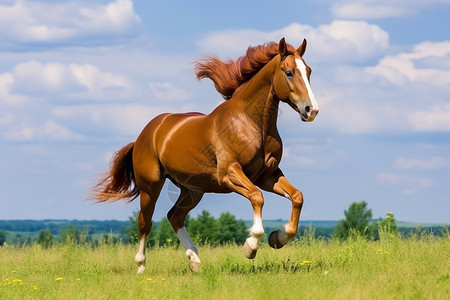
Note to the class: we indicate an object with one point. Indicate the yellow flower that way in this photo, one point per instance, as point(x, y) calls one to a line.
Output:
point(17, 280)
point(149, 279)
point(13, 271)
point(162, 279)
point(379, 250)
point(78, 279)
point(58, 279)
point(305, 262)
point(34, 287)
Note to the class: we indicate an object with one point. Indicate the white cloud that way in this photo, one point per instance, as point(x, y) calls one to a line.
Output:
point(28, 22)
point(167, 91)
point(93, 79)
point(431, 163)
point(124, 119)
point(378, 9)
point(405, 67)
point(364, 11)
point(80, 80)
point(397, 179)
point(338, 42)
point(50, 130)
point(6, 96)
point(437, 118)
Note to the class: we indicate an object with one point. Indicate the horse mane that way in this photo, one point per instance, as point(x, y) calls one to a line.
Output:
point(229, 75)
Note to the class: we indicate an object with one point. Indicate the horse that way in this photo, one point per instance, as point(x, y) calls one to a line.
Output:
point(235, 148)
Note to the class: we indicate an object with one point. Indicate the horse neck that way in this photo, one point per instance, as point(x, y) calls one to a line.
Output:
point(257, 100)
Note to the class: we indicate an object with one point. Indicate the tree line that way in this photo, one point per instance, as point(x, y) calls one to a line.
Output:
point(205, 229)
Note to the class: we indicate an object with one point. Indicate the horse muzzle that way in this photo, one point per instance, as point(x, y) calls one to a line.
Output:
point(308, 114)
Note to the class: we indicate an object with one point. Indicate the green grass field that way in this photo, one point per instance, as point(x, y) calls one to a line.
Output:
point(414, 268)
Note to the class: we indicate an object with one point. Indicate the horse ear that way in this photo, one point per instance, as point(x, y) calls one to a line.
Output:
point(302, 48)
point(282, 48)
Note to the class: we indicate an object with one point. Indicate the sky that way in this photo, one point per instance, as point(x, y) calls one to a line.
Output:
point(80, 79)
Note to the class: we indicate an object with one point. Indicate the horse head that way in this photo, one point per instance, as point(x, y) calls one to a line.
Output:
point(291, 82)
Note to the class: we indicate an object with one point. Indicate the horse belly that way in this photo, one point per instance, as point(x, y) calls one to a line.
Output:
point(186, 155)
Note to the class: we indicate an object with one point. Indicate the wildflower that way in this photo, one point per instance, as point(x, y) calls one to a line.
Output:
point(149, 279)
point(162, 279)
point(17, 280)
point(59, 279)
point(34, 287)
point(13, 271)
point(169, 240)
point(305, 262)
point(379, 250)
point(392, 235)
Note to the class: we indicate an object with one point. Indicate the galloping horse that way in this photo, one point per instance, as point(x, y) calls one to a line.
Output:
point(235, 148)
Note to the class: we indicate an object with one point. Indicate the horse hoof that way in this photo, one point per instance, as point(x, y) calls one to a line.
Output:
point(195, 266)
point(274, 241)
point(249, 252)
point(141, 269)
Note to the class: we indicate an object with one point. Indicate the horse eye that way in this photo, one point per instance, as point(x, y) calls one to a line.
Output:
point(289, 74)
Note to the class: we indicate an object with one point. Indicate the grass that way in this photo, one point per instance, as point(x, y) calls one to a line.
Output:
point(393, 268)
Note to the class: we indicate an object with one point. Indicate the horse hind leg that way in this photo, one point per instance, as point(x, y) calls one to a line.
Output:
point(187, 200)
point(148, 201)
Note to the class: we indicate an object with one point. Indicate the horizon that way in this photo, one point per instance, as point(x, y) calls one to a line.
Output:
point(80, 79)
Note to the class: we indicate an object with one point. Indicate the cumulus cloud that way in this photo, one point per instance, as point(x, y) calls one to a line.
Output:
point(431, 163)
point(378, 9)
point(50, 130)
point(338, 42)
point(408, 184)
point(167, 91)
point(436, 118)
point(116, 119)
point(33, 22)
point(408, 67)
point(34, 77)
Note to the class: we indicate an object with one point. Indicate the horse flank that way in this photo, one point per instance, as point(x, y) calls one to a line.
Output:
point(228, 76)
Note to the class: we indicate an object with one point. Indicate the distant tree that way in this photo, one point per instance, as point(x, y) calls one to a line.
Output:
point(130, 234)
point(69, 235)
point(357, 219)
point(164, 235)
point(230, 229)
point(21, 240)
point(2, 237)
point(45, 238)
point(204, 228)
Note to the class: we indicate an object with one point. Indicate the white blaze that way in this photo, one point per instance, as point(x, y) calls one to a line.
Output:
point(302, 68)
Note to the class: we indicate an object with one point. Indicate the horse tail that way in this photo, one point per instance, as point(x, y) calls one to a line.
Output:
point(119, 182)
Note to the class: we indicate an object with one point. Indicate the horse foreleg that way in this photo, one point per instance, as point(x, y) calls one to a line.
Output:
point(280, 185)
point(187, 200)
point(239, 183)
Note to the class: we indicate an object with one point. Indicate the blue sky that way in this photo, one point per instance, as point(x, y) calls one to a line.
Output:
point(80, 79)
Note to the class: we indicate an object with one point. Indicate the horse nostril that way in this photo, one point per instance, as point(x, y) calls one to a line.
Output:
point(307, 109)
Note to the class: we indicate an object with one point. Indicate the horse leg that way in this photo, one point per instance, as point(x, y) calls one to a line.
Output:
point(278, 184)
point(237, 181)
point(187, 200)
point(148, 201)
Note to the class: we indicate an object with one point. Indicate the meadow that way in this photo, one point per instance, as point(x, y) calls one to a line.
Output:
point(417, 267)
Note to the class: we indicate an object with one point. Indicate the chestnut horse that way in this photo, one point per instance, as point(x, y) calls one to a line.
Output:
point(235, 148)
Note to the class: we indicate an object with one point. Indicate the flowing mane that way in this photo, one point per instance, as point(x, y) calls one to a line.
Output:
point(228, 76)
